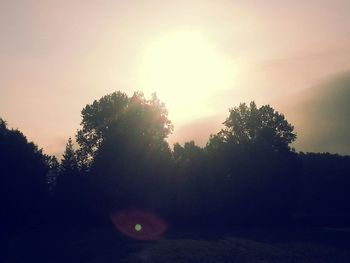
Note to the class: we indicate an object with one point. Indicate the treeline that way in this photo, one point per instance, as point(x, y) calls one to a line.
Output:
point(246, 173)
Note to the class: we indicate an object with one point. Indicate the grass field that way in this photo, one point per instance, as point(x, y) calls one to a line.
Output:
point(101, 245)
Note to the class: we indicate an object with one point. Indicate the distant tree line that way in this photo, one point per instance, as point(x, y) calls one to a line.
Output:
point(246, 174)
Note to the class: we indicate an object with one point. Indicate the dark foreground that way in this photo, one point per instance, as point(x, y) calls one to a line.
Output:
point(236, 245)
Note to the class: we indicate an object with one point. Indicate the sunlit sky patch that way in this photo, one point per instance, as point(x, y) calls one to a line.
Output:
point(184, 68)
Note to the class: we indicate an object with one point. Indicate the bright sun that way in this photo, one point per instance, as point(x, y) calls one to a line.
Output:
point(184, 69)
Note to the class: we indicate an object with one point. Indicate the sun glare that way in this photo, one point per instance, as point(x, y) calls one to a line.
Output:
point(184, 69)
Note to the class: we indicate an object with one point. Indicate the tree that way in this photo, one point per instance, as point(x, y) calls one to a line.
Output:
point(136, 126)
point(187, 154)
point(255, 169)
point(263, 127)
point(69, 163)
point(68, 171)
point(70, 189)
point(190, 181)
point(113, 111)
point(53, 172)
point(124, 144)
point(23, 182)
point(96, 120)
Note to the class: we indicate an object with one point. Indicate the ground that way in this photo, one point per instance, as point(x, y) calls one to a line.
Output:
point(99, 245)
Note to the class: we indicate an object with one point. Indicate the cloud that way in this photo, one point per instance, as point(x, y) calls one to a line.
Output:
point(321, 116)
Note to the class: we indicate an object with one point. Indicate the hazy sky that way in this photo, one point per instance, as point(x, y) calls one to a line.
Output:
point(57, 56)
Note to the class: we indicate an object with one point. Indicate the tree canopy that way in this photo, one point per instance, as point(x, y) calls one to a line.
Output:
point(264, 127)
point(246, 173)
point(23, 181)
point(123, 142)
point(117, 116)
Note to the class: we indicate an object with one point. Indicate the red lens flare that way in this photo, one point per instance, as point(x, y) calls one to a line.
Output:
point(138, 224)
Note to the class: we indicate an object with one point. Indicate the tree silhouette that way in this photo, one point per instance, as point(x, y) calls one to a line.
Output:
point(70, 188)
point(246, 173)
point(23, 186)
point(68, 171)
point(96, 120)
point(262, 126)
point(53, 172)
point(126, 150)
point(255, 170)
point(190, 181)
point(69, 163)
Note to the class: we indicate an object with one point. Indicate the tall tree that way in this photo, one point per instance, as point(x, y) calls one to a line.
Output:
point(71, 194)
point(53, 172)
point(69, 163)
point(23, 182)
point(190, 184)
point(125, 144)
point(259, 126)
point(255, 169)
point(68, 170)
point(96, 120)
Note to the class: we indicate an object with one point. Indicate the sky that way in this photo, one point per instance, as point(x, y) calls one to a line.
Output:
point(200, 57)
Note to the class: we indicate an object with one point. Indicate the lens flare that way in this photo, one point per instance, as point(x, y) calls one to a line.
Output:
point(138, 224)
point(138, 227)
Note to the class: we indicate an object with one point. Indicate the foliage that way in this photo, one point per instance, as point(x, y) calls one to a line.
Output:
point(246, 174)
point(131, 154)
point(263, 127)
point(69, 163)
point(23, 186)
point(96, 119)
point(118, 113)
